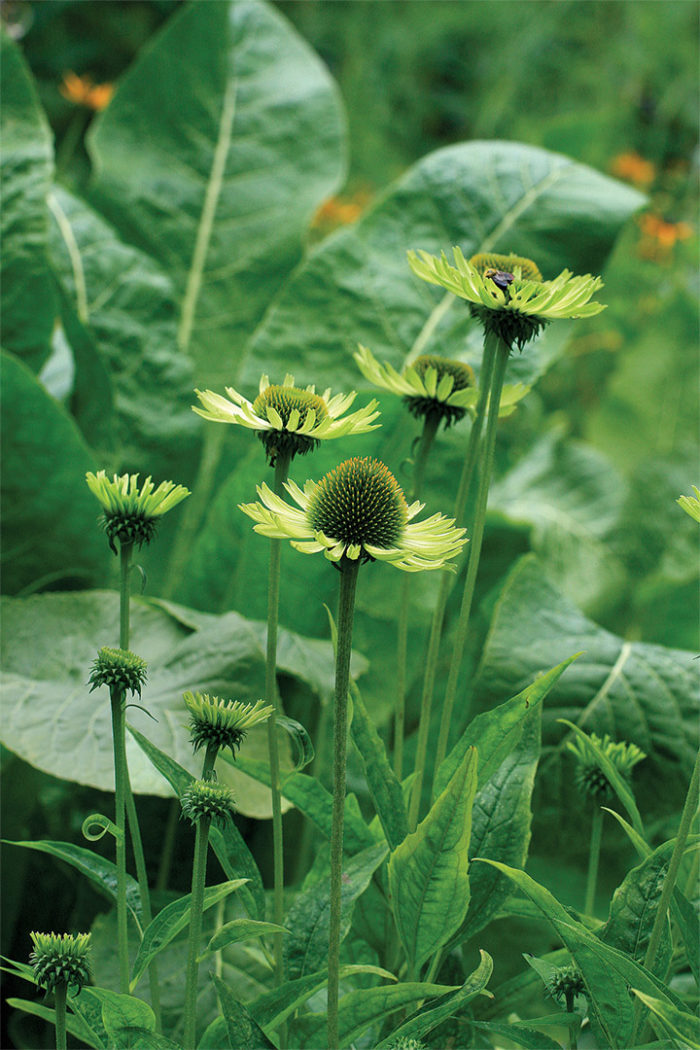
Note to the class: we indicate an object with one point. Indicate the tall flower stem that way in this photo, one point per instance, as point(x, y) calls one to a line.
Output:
point(125, 555)
point(593, 859)
point(60, 1015)
point(346, 609)
point(282, 462)
point(199, 872)
point(431, 659)
point(487, 461)
point(117, 699)
point(430, 426)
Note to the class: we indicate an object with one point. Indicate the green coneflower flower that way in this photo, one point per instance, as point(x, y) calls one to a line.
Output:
point(590, 777)
point(60, 959)
point(506, 292)
point(691, 504)
point(403, 1043)
point(222, 723)
point(207, 799)
point(131, 515)
point(565, 983)
point(357, 511)
point(289, 420)
point(118, 669)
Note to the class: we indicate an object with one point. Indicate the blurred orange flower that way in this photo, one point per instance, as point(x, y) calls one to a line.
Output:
point(340, 211)
point(84, 92)
point(634, 168)
point(659, 236)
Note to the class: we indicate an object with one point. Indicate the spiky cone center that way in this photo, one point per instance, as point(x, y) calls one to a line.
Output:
point(565, 983)
point(284, 400)
point(60, 958)
point(119, 669)
point(521, 268)
point(207, 799)
point(462, 377)
point(222, 723)
point(359, 502)
point(512, 326)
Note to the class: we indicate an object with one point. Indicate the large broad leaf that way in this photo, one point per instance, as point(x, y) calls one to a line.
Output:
point(482, 196)
point(645, 694)
point(126, 308)
point(572, 497)
point(215, 164)
point(49, 529)
point(28, 302)
point(429, 871)
point(306, 947)
point(50, 643)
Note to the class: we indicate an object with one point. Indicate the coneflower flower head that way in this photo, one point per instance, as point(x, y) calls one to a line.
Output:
point(590, 778)
point(357, 511)
point(222, 723)
point(691, 504)
point(207, 799)
point(131, 515)
point(431, 386)
point(565, 983)
point(506, 293)
point(119, 669)
point(289, 420)
point(60, 958)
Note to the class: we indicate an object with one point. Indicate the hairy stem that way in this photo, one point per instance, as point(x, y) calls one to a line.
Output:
point(593, 859)
point(430, 426)
point(346, 608)
point(60, 1015)
point(431, 659)
point(199, 874)
point(117, 699)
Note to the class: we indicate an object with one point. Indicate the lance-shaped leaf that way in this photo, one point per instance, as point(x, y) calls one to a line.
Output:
point(429, 871)
point(671, 1023)
point(243, 1030)
point(273, 1008)
point(383, 783)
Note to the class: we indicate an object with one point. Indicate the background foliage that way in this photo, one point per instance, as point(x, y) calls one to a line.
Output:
point(244, 210)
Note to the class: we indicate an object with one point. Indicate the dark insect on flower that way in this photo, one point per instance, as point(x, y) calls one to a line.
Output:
point(500, 278)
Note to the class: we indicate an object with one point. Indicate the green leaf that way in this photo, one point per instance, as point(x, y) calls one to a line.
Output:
point(607, 972)
point(49, 530)
point(688, 921)
point(521, 1035)
point(239, 930)
point(254, 121)
point(243, 1030)
point(501, 818)
point(74, 1024)
point(365, 1007)
point(383, 784)
point(429, 871)
point(617, 782)
point(303, 748)
point(101, 872)
point(27, 297)
point(306, 947)
point(497, 732)
point(482, 196)
point(126, 306)
point(433, 1013)
point(119, 1011)
point(132, 1037)
point(645, 694)
point(671, 1023)
point(227, 842)
point(170, 921)
point(273, 1008)
point(215, 1036)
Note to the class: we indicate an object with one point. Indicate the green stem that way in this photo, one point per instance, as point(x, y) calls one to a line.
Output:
point(593, 859)
point(346, 608)
point(431, 659)
point(125, 554)
point(570, 997)
point(209, 760)
point(60, 1019)
point(273, 597)
point(199, 874)
point(119, 741)
point(430, 426)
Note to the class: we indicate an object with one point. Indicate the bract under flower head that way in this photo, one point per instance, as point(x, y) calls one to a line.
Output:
point(431, 385)
point(222, 723)
point(565, 983)
point(359, 512)
point(289, 420)
point(60, 958)
point(132, 514)
point(514, 310)
point(207, 799)
point(118, 669)
point(590, 777)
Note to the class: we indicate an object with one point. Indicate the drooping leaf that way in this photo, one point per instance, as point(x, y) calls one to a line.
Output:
point(49, 529)
point(254, 121)
point(521, 1035)
point(27, 297)
point(170, 921)
point(74, 1024)
point(243, 1030)
point(383, 784)
point(239, 930)
point(306, 947)
point(429, 871)
point(671, 1023)
point(482, 196)
point(273, 1008)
